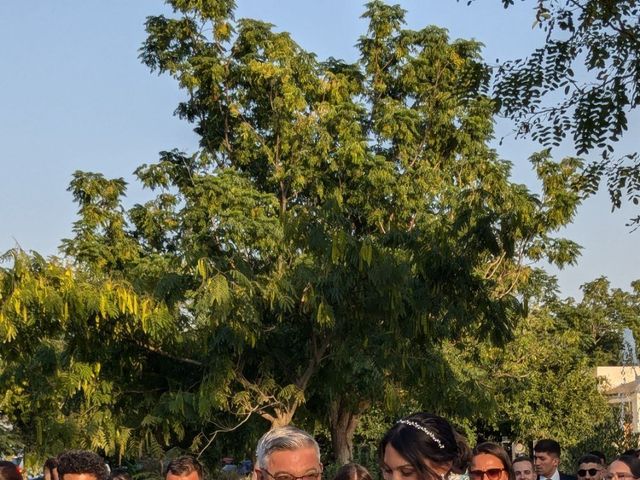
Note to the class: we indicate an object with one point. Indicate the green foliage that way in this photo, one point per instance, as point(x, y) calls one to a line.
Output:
point(340, 227)
point(10, 441)
point(609, 437)
point(542, 383)
point(581, 83)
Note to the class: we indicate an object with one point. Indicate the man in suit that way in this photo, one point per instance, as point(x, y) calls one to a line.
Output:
point(546, 459)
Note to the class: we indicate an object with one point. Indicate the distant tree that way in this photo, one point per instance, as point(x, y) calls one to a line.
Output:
point(543, 381)
point(582, 83)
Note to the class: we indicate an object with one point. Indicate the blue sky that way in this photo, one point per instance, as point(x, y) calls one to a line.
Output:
point(74, 96)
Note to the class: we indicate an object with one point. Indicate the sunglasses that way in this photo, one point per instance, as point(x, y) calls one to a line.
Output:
point(592, 472)
point(491, 473)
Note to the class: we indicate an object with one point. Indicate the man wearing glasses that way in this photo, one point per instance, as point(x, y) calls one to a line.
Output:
point(288, 453)
point(590, 468)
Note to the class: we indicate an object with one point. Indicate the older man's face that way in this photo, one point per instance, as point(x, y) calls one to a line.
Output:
point(300, 464)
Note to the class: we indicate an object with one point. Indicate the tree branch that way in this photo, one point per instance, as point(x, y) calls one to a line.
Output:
point(162, 353)
point(225, 430)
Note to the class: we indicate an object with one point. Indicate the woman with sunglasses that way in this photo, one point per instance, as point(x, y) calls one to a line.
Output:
point(625, 467)
point(490, 462)
point(422, 446)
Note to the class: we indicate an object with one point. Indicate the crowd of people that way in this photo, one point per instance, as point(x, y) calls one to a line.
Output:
point(421, 446)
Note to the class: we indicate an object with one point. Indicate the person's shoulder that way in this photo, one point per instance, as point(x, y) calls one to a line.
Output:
point(566, 476)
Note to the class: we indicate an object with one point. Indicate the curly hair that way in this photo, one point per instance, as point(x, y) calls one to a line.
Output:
point(82, 461)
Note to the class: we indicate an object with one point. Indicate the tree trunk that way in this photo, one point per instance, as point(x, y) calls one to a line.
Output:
point(342, 423)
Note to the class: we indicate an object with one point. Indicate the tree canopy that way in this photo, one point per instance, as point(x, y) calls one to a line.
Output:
point(340, 225)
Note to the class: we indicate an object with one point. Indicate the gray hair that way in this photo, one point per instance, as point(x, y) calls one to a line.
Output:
point(283, 438)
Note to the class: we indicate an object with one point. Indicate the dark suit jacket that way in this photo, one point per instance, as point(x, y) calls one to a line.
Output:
point(563, 476)
point(566, 476)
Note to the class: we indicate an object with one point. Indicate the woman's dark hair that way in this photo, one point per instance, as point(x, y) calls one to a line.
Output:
point(632, 462)
point(352, 471)
point(461, 463)
point(424, 435)
point(9, 471)
point(634, 452)
point(498, 451)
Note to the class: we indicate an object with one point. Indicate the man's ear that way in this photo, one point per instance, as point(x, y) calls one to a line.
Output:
point(556, 461)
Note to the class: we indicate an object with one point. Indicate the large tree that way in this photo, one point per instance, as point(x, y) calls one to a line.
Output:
point(338, 223)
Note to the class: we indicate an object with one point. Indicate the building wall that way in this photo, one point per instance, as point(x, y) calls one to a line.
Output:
point(618, 375)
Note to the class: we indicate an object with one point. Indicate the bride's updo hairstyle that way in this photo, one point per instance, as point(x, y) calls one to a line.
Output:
point(427, 441)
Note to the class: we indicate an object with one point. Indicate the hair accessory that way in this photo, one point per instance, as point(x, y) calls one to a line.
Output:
point(428, 432)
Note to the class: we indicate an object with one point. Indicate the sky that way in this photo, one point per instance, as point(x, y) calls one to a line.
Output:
point(74, 96)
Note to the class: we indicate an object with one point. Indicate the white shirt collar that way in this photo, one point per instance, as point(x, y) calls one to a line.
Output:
point(555, 476)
